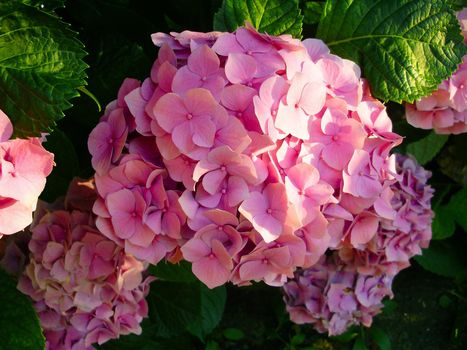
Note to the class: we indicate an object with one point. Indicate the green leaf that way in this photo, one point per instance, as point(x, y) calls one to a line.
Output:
point(19, 324)
point(427, 148)
point(297, 339)
point(458, 207)
point(380, 338)
point(443, 224)
point(359, 344)
point(211, 311)
point(179, 306)
point(167, 271)
point(444, 258)
point(312, 12)
point(274, 17)
point(347, 336)
point(41, 67)
point(404, 47)
point(234, 334)
point(45, 5)
point(212, 345)
point(449, 162)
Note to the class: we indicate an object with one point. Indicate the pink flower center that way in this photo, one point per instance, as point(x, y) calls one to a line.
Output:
point(296, 106)
point(269, 211)
point(189, 116)
point(220, 228)
point(335, 137)
point(239, 114)
point(223, 168)
point(224, 191)
point(274, 112)
point(204, 78)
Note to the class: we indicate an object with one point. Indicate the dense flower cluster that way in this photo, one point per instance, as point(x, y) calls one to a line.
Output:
point(85, 288)
point(252, 153)
point(24, 165)
point(445, 110)
point(348, 286)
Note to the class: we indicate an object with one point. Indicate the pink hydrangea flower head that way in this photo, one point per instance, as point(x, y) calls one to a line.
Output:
point(24, 166)
point(247, 154)
point(332, 296)
point(85, 289)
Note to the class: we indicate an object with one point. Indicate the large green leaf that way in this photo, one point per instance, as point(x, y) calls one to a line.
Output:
point(212, 302)
point(312, 12)
point(47, 5)
point(444, 258)
point(427, 148)
point(443, 224)
point(19, 325)
point(176, 307)
point(41, 67)
point(405, 47)
point(458, 207)
point(166, 271)
point(274, 17)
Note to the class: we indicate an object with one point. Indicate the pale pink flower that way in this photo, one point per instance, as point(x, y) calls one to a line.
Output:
point(213, 248)
point(24, 166)
point(340, 135)
point(202, 71)
point(268, 211)
point(192, 121)
point(106, 141)
point(306, 192)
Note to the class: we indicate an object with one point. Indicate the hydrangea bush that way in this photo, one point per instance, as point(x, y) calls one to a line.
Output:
point(244, 156)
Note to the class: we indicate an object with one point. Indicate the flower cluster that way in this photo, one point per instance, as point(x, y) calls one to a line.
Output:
point(85, 288)
point(347, 287)
point(445, 110)
point(333, 296)
point(246, 154)
point(24, 165)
